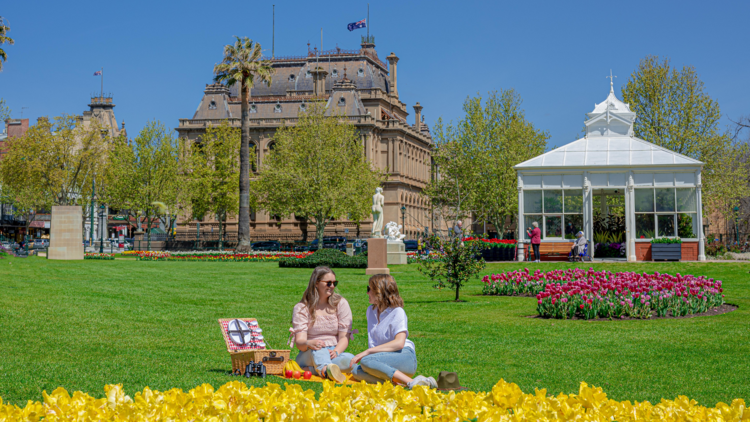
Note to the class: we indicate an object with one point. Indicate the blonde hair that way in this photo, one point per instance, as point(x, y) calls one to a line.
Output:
point(311, 297)
point(386, 291)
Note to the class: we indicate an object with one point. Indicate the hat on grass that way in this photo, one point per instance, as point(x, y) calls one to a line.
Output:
point(448, 381)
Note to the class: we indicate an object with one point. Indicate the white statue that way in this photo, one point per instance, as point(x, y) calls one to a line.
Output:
point(394, 232)
point(377, 213)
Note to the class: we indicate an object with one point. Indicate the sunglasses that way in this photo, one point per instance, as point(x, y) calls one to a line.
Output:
point(368, 289)
point(333, 283)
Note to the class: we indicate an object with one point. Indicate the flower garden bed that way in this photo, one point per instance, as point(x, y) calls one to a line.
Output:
point(237, 401)
point(100, 256)
point(221, 257)
point(581, 294)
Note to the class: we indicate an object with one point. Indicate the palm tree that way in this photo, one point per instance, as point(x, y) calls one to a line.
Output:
point(4, 39)
point(243, 63)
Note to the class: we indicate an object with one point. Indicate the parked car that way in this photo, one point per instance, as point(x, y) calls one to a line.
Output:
point(411, 245)
point(335, 242)
point(270, 245)
point(41, 243)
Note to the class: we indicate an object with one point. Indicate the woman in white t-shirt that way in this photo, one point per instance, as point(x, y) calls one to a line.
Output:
point(390, 356)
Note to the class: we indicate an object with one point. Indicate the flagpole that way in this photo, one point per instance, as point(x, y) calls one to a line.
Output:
point(273, 37)
point(367, 24)
point(101, 93)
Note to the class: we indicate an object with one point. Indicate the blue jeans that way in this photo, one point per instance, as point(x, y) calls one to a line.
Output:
point(316, 360)
point(380, 367)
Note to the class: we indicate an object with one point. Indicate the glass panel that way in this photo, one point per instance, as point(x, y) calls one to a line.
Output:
point(573, 224)
point(644, 200)
point(644, 226)
point(665, 200)
point(532, 201)
point(552, 201)
point(554, 226)
point(573, 201)
point(686, 199)
point(665, 224)
point(527, 220)
point(687, 226)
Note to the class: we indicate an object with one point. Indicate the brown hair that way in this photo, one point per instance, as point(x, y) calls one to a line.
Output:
point(311, 298)
point(385, 290)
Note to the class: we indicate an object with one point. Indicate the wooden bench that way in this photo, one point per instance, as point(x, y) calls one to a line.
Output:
point(553, 251)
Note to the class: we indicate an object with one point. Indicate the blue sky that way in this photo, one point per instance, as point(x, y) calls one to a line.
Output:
point(158, 55)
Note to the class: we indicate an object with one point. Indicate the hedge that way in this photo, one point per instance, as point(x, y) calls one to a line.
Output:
point(332, 258)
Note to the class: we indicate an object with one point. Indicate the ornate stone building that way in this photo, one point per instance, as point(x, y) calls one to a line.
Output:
point(361, 88)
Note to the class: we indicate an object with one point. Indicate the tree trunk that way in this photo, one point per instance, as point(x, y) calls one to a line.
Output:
point(243, 231)
point(457, 289)
point(320, 228)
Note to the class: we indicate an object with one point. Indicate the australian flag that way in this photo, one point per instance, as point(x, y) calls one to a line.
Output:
point(357, 25)
point(97, 73)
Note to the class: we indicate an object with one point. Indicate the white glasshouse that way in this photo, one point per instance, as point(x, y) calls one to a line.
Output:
point(566, 189)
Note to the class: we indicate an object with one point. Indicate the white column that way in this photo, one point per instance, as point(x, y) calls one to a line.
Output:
point(699, 217)
point(588, 213)
point(630, 218)
point(520, 223)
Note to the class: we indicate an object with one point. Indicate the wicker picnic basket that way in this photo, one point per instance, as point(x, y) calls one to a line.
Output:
point(274, 360)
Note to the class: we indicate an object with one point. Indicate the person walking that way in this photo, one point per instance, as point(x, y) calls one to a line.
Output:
point(535, 235)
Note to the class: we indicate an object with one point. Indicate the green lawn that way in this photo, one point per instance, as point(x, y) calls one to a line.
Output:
point(81, 325)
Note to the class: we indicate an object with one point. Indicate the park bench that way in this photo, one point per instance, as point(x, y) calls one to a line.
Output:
point(552, 251)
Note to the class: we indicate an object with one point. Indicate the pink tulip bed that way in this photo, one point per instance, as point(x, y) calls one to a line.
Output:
point(589, 294)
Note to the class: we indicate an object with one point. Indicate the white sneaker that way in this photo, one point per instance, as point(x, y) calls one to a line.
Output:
point(418, 380)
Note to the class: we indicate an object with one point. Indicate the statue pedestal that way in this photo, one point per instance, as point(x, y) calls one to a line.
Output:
point(66, 233)
point(377, 257)
point(396, 252)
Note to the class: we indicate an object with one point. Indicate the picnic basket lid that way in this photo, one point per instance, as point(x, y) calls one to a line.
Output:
point(239, 330)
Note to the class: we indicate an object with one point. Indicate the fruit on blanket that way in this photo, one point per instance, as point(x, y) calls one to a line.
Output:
point(296, 375)
point(307, 375)
point(288, 373)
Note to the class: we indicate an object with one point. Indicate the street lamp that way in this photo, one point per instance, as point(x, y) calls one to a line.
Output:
point(403, 217)
point(103, 223)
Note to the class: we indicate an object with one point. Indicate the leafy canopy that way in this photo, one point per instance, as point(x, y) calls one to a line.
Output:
point(317, 171)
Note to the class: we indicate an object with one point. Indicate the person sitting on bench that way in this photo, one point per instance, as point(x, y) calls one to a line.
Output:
point(578, 246)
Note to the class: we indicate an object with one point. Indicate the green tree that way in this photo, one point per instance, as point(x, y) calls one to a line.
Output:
point(212, 167)
point(4, 111)
point(676, 113)
point(475, 157)
point(243, 63)
point(317, 171)
point(58, 158)
point(144, 177)
point(4, 38)
point(461, 261)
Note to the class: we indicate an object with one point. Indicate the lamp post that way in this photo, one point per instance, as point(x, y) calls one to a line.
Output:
point(91, 213)
point(403, 217)
point(737, 225)
point(102, 223)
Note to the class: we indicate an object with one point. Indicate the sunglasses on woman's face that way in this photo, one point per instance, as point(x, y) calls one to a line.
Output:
point(368, 289)
point(333, 283)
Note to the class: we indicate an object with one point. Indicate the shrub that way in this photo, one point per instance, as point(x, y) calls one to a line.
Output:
point(332, 258)
point(460, 262)
point(666, 240)
point(716, 249)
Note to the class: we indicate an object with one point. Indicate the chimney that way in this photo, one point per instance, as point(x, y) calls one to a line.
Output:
point(16, 127)
point(319, 81)
point(392, 75)
point(418, 117)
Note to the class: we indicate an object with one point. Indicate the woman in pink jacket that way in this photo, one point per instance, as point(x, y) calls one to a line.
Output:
point(536, 238)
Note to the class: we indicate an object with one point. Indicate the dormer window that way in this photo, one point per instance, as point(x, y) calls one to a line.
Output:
point(303, 107)
point(253, 108)
point(334, 73)
point(342, 101)
point(291, 78)
point(360, 72)
point(212, 105)
point(308, 74)
point(277, 108)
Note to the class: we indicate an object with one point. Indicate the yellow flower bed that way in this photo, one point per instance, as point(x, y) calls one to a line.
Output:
point(235, 401)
